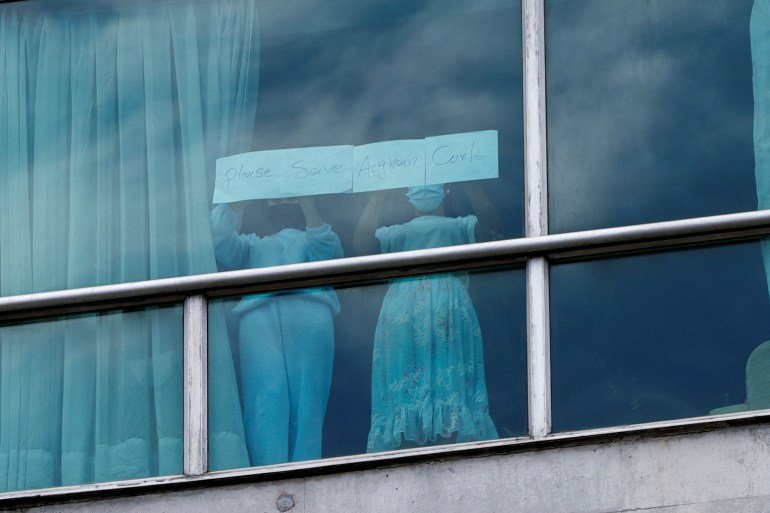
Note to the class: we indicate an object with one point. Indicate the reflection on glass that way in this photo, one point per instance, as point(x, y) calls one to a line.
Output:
point(91, 398)
point(345, 72)
point(659, 336)
point(650, 110)
point(114, 114)
point(425, 360)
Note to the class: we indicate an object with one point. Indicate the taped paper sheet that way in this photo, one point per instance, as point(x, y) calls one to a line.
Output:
point(370, 167)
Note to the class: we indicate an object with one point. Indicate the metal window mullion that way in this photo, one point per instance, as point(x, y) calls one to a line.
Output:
point(536, 217)
point(535, 164)
point(195, 385)
point(538, 348)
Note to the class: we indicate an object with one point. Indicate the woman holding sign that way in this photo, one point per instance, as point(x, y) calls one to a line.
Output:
point(428, 383)
point(286, 340)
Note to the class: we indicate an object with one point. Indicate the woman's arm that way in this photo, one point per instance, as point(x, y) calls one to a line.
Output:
point(364, 241)
point(323, 243)
point(230, 247)
point(312, 218)
point(488, 226)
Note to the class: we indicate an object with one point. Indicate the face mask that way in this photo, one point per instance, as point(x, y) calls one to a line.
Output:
point(426, 198)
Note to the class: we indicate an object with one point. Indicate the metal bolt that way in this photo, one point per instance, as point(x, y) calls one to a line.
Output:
point(284, 502)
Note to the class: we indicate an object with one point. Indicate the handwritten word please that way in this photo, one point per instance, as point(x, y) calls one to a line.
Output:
point(246, 174)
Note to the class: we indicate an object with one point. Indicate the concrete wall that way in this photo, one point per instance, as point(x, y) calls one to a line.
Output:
point(716, 471)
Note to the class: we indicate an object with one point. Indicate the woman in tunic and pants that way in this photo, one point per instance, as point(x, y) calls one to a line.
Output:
point(286, 340)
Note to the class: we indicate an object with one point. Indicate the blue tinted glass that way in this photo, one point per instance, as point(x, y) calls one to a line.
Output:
point(115, 113)
point(91, 398)
point(419, 361)
point(651, 110)
point(659, 336)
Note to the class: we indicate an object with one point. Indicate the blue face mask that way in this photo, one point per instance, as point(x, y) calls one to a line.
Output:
point(426, 198)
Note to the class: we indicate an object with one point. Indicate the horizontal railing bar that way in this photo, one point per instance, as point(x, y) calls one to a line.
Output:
point(357, 270)
point(339, 272)
point(656, 243)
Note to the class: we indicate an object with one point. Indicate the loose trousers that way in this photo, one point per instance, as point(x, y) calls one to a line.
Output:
point(286, 352)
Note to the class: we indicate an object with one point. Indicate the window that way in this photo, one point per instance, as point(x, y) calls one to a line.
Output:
point(116, 113)
point(658, 336)
point(420, 361)
point(672, 95)
point(154, 154)
point(91, 397)
point(650, 111)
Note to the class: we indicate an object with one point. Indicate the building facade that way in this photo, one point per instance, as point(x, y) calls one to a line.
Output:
point(338, 256)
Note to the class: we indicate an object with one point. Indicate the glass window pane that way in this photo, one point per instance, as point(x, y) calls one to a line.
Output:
point(113, 116)
point(651, 114)
point(88, 398)
point(420, 361)
point(659, 336)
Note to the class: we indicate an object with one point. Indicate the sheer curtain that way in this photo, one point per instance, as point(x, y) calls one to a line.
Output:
point(760, 57)
point(111, 117)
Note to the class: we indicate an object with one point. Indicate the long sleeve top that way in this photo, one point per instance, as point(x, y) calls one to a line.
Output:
point(235, 250)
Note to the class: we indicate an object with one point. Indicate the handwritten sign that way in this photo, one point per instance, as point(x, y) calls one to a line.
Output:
point(321, 170)
point(388, 165)
point(284, 173)
point(461, 157)
point(370, 167)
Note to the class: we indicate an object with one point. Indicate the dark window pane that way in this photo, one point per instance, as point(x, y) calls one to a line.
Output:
point(659, 336)
point(650, 109)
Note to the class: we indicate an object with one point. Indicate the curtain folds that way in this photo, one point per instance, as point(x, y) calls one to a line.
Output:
point(111, 118)
point(760, 56)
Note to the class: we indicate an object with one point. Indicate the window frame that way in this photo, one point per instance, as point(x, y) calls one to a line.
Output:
point(536, 251)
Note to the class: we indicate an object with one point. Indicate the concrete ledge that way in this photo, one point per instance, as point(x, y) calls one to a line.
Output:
point(724, 469)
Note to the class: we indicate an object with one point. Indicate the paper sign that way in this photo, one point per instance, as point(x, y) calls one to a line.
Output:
point(284, 173)
point(388, 165)
point(255, 175)
point(371, 167)
point(461, 157)
point(321, 170)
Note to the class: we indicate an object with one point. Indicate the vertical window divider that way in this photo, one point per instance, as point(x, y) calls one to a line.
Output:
point(536, 217)
point(195, 385)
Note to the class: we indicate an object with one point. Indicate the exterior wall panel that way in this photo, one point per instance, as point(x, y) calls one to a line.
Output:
point(714, 471)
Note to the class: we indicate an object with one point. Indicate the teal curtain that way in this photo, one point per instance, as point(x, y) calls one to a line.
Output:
point(760, 54)
point(760, 57)
point(111, 118)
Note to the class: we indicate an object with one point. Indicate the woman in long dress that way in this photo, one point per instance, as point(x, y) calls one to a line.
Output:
point(428, 383)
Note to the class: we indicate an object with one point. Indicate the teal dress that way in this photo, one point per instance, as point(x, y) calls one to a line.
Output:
point(428, 383)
